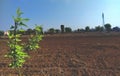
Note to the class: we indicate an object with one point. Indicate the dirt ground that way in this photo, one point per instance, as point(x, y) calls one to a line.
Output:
point(69, 55)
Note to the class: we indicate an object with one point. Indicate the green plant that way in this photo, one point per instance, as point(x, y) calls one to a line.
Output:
point(33, 42)
point(18, 50)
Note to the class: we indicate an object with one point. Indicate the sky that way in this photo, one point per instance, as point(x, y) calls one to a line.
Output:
point(53, 13)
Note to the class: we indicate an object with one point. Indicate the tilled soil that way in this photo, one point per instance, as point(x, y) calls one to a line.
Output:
point(69, 56)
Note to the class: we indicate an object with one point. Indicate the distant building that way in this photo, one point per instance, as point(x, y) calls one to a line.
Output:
point(6, 33)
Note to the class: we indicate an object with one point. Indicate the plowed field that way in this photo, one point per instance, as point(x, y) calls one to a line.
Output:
point(69, 55)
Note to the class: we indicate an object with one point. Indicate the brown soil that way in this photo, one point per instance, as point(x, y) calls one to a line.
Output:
point(69, 55)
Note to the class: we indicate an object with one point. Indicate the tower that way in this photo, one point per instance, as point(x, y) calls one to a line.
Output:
point(103, 21)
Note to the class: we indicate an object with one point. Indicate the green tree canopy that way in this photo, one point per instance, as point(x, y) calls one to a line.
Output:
point(1, 33)
point(107, 27)
point(68, 29)
point(87, 28)
point(99, 28)
point(51, 30)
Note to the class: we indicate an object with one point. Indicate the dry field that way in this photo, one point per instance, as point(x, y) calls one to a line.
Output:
point(69, 55)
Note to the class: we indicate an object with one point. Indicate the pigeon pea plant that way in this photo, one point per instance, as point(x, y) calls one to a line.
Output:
point(18, 51)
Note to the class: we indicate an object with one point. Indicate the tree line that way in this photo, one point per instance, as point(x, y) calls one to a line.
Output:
point(106, 28)
point(26, 32)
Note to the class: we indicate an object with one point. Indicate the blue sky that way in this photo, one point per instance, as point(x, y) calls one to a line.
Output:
point(53, 13)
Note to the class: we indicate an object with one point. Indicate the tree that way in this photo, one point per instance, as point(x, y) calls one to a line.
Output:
point(99, 28)
point(78, 30)
point(57, 31)
point(1, 33)
point(107, 27)
point(51, 30)
point(62, 29)
point(29, 31)
point(87, 28)
point(116, 29)
point(68, 29)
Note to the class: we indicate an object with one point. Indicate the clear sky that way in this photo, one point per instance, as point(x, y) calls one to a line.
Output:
point(53, 13)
